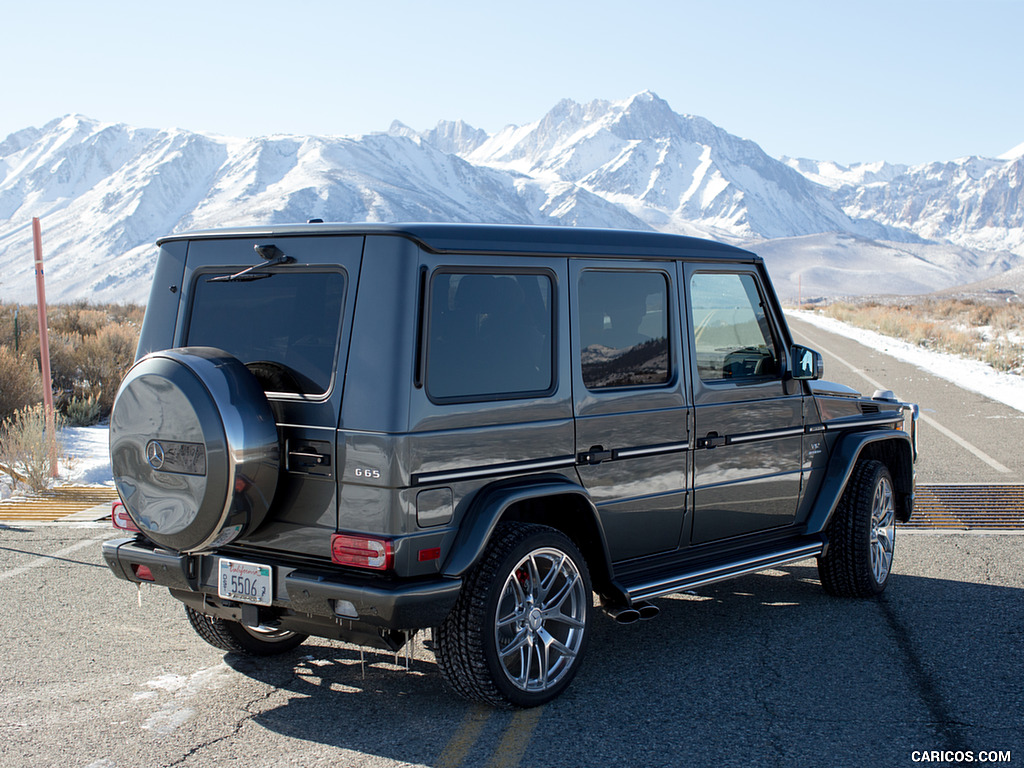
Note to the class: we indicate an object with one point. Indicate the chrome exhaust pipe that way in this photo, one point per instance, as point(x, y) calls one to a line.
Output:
point(622, 614)
point(630, 614)
point(647, 610)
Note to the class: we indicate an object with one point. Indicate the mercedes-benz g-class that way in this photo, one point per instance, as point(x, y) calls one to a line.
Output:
point(362, 431)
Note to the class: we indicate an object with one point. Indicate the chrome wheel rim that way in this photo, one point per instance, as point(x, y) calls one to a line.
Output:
point(883, 530)
point(540, 620)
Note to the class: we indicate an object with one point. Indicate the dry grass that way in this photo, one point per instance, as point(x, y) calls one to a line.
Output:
point(25, 447)
point(91, 348)
point(990, 331)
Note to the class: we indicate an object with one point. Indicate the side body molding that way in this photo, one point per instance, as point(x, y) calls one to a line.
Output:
point(892, 447)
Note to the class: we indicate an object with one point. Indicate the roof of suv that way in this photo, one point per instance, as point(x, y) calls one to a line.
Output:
point(502, 239)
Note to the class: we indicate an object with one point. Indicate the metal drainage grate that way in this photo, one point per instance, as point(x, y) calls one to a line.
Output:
point(968, 507)
point(55, 504)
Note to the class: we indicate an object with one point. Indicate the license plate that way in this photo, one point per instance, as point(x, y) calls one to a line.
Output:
point(245, 582)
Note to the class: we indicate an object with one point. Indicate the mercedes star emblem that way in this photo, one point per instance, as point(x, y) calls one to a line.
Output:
point(155, 454)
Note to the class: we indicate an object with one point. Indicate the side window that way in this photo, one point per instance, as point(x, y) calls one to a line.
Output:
point(623, 329)
point(732, 333)
point(490, 335)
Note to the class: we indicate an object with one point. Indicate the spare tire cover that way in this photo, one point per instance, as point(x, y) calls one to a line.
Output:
point(193, 448)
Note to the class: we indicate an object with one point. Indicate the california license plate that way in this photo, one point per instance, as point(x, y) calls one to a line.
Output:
point(245, 582)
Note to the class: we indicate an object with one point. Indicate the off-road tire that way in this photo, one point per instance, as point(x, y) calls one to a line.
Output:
point(237, 638)
point(466, 647)
point(848, 568)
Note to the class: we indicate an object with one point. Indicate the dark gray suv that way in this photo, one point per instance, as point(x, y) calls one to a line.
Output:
point(362, 431)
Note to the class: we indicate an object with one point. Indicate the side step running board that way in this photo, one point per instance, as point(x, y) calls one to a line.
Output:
point(700, 578)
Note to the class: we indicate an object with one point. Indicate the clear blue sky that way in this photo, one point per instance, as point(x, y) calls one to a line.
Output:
point(900, 80)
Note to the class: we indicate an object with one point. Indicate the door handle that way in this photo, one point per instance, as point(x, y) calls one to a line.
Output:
point(712, 440)
point(595, 455)
point(307, 458)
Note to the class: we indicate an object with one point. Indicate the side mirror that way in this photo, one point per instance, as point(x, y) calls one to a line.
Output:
point(805, 364)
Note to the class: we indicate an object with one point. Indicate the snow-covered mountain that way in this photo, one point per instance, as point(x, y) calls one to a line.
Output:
point(974, 202)
point(105, 192)
point(675, 172)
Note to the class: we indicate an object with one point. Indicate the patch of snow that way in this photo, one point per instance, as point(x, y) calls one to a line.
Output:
point(88, 449)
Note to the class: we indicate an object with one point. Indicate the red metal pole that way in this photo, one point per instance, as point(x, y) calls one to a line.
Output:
point(44, 347)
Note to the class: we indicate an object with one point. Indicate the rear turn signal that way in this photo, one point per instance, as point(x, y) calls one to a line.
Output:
point(362, 551)
point(120, 518)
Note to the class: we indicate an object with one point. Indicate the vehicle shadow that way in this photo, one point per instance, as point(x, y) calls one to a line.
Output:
point(767, 668)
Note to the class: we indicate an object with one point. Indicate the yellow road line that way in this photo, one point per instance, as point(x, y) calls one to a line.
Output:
point(465, 737)
point(516, 739)
point(509, 751)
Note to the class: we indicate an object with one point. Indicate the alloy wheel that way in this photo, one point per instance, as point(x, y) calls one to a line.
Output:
point(540, 620)
point(883, 530)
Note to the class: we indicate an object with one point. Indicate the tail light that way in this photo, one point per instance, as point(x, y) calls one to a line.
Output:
point(362, 551)
point(121, 519)
point(142, 572)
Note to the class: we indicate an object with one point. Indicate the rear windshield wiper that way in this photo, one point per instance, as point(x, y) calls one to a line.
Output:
point(273, 255)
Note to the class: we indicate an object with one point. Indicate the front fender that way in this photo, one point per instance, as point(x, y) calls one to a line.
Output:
point(892, 447)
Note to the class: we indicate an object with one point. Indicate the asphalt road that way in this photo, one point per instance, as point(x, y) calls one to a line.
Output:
point(766, 670)
point(963, 437)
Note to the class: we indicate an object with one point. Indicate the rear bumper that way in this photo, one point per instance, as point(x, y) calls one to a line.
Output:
point(306, 592)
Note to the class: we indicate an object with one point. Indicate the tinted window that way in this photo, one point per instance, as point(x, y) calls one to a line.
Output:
point(490, 334)
point(732, 334)
point(623, 329)
point(284, 327)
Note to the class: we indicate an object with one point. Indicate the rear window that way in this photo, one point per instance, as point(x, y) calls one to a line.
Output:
point(284, 327)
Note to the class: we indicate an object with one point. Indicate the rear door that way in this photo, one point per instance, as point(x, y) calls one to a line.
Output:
point(748, 421)
point(289, 325)
point(631, 418)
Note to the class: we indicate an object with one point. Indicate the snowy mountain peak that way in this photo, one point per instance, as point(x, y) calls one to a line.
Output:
point(677, 172)
point(398, 128)
point(833, 175)
point(1014, 154)
point(457, 138)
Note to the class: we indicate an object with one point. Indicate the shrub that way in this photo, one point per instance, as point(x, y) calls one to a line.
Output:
point(971, 328)
point(24, 447)
point(20, 383)
point(65, 368)
point(77, 318)
point(103, 360)
point(91, 348)
point(82, 411)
